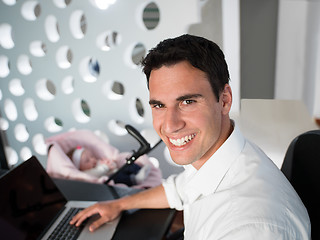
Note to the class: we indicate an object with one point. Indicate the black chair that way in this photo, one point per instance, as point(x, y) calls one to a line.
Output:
point(3, 159)
point(302, 168)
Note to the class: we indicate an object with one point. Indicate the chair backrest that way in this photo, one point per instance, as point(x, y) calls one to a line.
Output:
point(302, 168)
point(3, 158)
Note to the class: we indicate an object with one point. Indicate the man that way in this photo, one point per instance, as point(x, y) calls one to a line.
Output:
point(229, 189)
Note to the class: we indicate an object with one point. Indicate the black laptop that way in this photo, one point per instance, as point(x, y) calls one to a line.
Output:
point(32, 207)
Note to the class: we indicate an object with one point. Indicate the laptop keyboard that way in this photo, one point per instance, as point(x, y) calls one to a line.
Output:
point(66, 231)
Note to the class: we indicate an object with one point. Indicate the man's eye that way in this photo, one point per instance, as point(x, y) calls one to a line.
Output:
point(157, 106)
point(188, 101)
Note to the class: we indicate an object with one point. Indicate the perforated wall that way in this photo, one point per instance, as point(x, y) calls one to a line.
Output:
point(67, 64)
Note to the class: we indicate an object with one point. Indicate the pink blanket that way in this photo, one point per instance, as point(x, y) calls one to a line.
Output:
point(59, 164)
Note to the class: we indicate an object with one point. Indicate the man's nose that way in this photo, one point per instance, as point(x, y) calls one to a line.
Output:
point(173, 121)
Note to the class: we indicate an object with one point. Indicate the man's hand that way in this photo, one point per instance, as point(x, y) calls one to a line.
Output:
point(108, 211)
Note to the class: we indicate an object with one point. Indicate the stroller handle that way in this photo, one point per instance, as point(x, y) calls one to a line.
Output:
point(144, 148)
point(144, 145)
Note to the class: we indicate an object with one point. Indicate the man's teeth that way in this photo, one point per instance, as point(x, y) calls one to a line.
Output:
point(182, 141)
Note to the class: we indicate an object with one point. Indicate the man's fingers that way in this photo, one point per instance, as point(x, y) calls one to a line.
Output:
point(81, 216)
point(105, 211)
point(96, 224)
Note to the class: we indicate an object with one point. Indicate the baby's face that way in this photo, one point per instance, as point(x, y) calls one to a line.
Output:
point(87, 160)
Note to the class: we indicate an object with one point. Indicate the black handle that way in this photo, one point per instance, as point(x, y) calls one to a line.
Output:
point(144, 145)
point(144, 148)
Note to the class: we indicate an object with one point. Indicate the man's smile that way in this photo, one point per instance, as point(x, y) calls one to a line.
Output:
point(182, 141)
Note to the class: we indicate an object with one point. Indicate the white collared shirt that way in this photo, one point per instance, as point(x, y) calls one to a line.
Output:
point(239, 193)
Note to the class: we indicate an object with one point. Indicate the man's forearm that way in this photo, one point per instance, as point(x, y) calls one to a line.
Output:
point(151, 198)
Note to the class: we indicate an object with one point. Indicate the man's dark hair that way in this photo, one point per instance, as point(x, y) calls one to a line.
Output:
point(199, 52)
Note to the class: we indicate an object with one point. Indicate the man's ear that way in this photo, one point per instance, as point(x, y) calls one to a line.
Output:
point(226, 99)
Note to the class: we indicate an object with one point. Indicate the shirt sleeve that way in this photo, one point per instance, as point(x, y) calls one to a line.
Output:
point(172, 192)
point(175, 187)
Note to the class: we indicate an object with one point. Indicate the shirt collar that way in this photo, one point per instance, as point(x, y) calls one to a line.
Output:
point(215, 168)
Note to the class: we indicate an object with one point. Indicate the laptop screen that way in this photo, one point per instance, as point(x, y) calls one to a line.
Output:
point(29, 201)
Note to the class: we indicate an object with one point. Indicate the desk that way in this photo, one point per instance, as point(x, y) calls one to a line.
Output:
point(137, 224)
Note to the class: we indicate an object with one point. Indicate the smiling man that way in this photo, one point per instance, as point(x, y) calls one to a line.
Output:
point(230, 189)
point(186, 113)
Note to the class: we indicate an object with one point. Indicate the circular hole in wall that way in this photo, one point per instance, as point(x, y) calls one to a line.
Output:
point(64, 57)
point(78, 24)
point(4, 125)
point(138, 53)
point(89, 69)
point(53, 124)
point(81, 111)
point(139, 107)
point(39, 144)
point(52, 28)
point(67, 85)
point(4, 66)
point(6, 39)
point(30, 10)
point(94, 67)
point(134, 54)
point(102, 135)
point(15, 87)
point(117, 128)
point(151, 16)
point(10, 110)
point(114, 90)
point(108, 40)
point(12, 156)
point(10, 2)
point(102, 4)
point(118, 88)
point(58, 122)
point(61, 3)
point(151, 136)
point(136, 111)
point(25, 153)
point(45, 89)
point(30, 110)
point(24, 64)
point(38, 48)
point(85, 108)
point(21, 133)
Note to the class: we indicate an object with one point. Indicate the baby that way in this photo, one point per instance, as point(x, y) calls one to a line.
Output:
point(86, 162)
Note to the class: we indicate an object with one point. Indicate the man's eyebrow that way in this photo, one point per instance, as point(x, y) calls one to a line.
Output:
point(178, 99)
point(188, 96)
point(154, 102)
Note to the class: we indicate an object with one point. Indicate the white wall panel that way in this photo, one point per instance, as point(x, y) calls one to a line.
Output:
point(46, 48)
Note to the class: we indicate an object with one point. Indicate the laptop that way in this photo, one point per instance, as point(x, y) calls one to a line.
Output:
point(32, 206)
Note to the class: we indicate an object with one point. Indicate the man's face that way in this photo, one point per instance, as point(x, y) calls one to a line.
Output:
point(186, 114)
